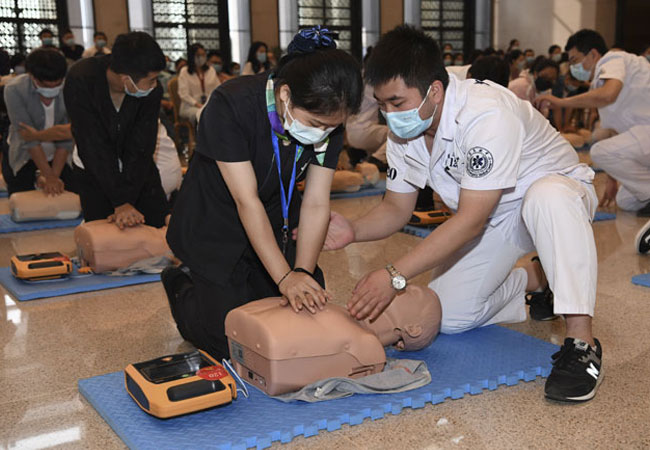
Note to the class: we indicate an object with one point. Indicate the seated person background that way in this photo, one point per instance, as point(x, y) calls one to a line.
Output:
point(196, 82)
point(116, 139)
point(100, 46)
point(217, 62)
point(17, 64)
point(47, 38)
point(39, 134)
point(71, 50)
point(257, 61)
point(537, 80)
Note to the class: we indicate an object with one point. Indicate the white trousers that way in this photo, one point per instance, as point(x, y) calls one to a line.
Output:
point(480, 287)
point(626, 157)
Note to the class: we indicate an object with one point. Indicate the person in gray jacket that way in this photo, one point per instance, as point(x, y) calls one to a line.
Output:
point(39, 140)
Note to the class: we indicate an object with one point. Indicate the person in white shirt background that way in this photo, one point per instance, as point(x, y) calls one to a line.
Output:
point(514, 184)
point(620, 89)
point(257, 61)
point(99, 47)
point(196, 81)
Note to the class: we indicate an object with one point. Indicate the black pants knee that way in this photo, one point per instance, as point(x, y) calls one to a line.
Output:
point(95, 204)
point(202, 305)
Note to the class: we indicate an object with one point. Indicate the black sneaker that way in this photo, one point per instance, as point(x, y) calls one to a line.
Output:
point(577, 372)
point(644, 212)
point(541, 305)
point(642, 240)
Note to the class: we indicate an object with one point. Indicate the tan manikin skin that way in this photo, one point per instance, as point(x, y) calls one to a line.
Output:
point(104, 247)
point(281, 351)
point(36, 205)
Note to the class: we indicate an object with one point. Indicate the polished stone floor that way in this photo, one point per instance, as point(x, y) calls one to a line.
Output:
point(47, 345)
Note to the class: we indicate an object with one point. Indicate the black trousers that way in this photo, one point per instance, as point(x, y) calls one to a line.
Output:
point(152, 202)
point(26, 177)
point(202, 305)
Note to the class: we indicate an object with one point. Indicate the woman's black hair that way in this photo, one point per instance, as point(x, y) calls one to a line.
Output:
point(16, 60)
point(46, 64)
point(252, 56)
point(407, 53)
point(230, 67)
point(136, 54)
point(191, 54)
point(445, 55)
point(474, 55)
point(512, 56)
point(490, 68)
point(541, 63)
point(45, 31)
point(97, 34)
point(322, 79)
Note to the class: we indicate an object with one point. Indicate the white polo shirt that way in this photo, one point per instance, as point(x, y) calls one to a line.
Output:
point(632, 107)
point(487, 139)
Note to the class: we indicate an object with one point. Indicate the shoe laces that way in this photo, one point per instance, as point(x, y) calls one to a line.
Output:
point(571, 358)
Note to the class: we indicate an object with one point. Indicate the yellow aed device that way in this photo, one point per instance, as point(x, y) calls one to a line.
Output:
point(41, 266)
point(426, 218)
point(179, 384)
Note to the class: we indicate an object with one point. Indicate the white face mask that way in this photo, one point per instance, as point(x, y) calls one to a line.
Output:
point(200, 61)
point(306, 135)
point(49, 92)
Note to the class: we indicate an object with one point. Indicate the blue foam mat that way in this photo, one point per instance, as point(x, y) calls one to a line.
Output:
point(460, 364)
point(642, 280)
point(600, 216)
point(418, 231)
point(32, 290)
point(369, 191)
point(7, 225)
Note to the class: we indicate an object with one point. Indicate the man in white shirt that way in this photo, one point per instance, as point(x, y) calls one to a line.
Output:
point(620, 89)
point(99, 46)
point(515, 186)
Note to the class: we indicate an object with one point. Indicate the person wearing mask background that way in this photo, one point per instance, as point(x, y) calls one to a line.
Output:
point(17, 64)
point(113, 102)
point(257, 61)
point(448, 59)
point(179, 64)
point(39, 134)
point(447, 48)
point(490, 68)
point(99, 47)
point(555, 53)
point(196, 82)
point(71, 50)
point(459, 60)
point(529, 55)
point(516, 61)
point(233, 69)
point(47, 38)
point(514, 45)
point(620, 90)
point(238, 203)
point(216, 61)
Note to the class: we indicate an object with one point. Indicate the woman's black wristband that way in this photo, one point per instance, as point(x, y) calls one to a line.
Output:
point(301, 270)
point(283, 278)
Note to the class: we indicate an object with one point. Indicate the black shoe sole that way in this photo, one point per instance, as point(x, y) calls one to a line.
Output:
point(582, 399)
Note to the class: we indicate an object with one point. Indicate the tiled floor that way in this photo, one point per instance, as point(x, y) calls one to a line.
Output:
point(47, 345)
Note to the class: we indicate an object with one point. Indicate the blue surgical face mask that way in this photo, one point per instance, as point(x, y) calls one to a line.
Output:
point(139, 93)
point(261, 57)
point(458, 63)
point(571, 88)
point(70, 42)
point(530, 59)
point(409, 124)
point(557, 57)
point(521, 65)
point(514, 47)
point(100, 43)
point(304, 134)
point(579, 72)
point(48, 41)
point(447, 62)
point(49, 92)
point(217, 67)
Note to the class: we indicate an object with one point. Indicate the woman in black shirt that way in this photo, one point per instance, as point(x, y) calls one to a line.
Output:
point(257, 137)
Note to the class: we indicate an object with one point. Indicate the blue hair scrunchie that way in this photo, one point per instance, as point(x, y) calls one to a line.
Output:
point(311, 39)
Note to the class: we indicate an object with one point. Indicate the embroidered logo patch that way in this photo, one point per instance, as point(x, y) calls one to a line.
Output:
point(479, 162)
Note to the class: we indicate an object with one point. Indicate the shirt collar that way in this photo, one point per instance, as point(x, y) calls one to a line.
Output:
point(447, 126)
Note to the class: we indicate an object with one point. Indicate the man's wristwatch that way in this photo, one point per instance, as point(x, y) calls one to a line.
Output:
point(397, 280)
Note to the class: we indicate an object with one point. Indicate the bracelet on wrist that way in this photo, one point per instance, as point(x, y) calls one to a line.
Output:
point(282, 279)
point(301, 270)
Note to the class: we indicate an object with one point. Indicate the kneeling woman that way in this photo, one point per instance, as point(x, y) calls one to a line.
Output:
point(231, 223)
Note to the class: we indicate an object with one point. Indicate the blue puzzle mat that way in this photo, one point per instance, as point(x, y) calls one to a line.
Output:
point(600, 216)
point(418, 231)
point(9, 226)
point(378, 189)
point(642, 280)
point(32, 290)
point(460, 364)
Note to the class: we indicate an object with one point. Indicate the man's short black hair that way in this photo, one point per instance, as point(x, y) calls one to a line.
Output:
point(212, 53)
point(552, 48)
point(541, 63)
point(46, 64)
point(409, 54)
point(584, 40)
point(16, 60)
point(491, 68)
point(136, 54)
point(45, 31)
point(98, 34)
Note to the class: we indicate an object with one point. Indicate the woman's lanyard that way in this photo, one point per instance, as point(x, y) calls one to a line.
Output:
point(277, 133)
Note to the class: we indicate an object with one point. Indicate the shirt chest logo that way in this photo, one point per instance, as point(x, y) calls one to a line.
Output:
point(479, 162)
